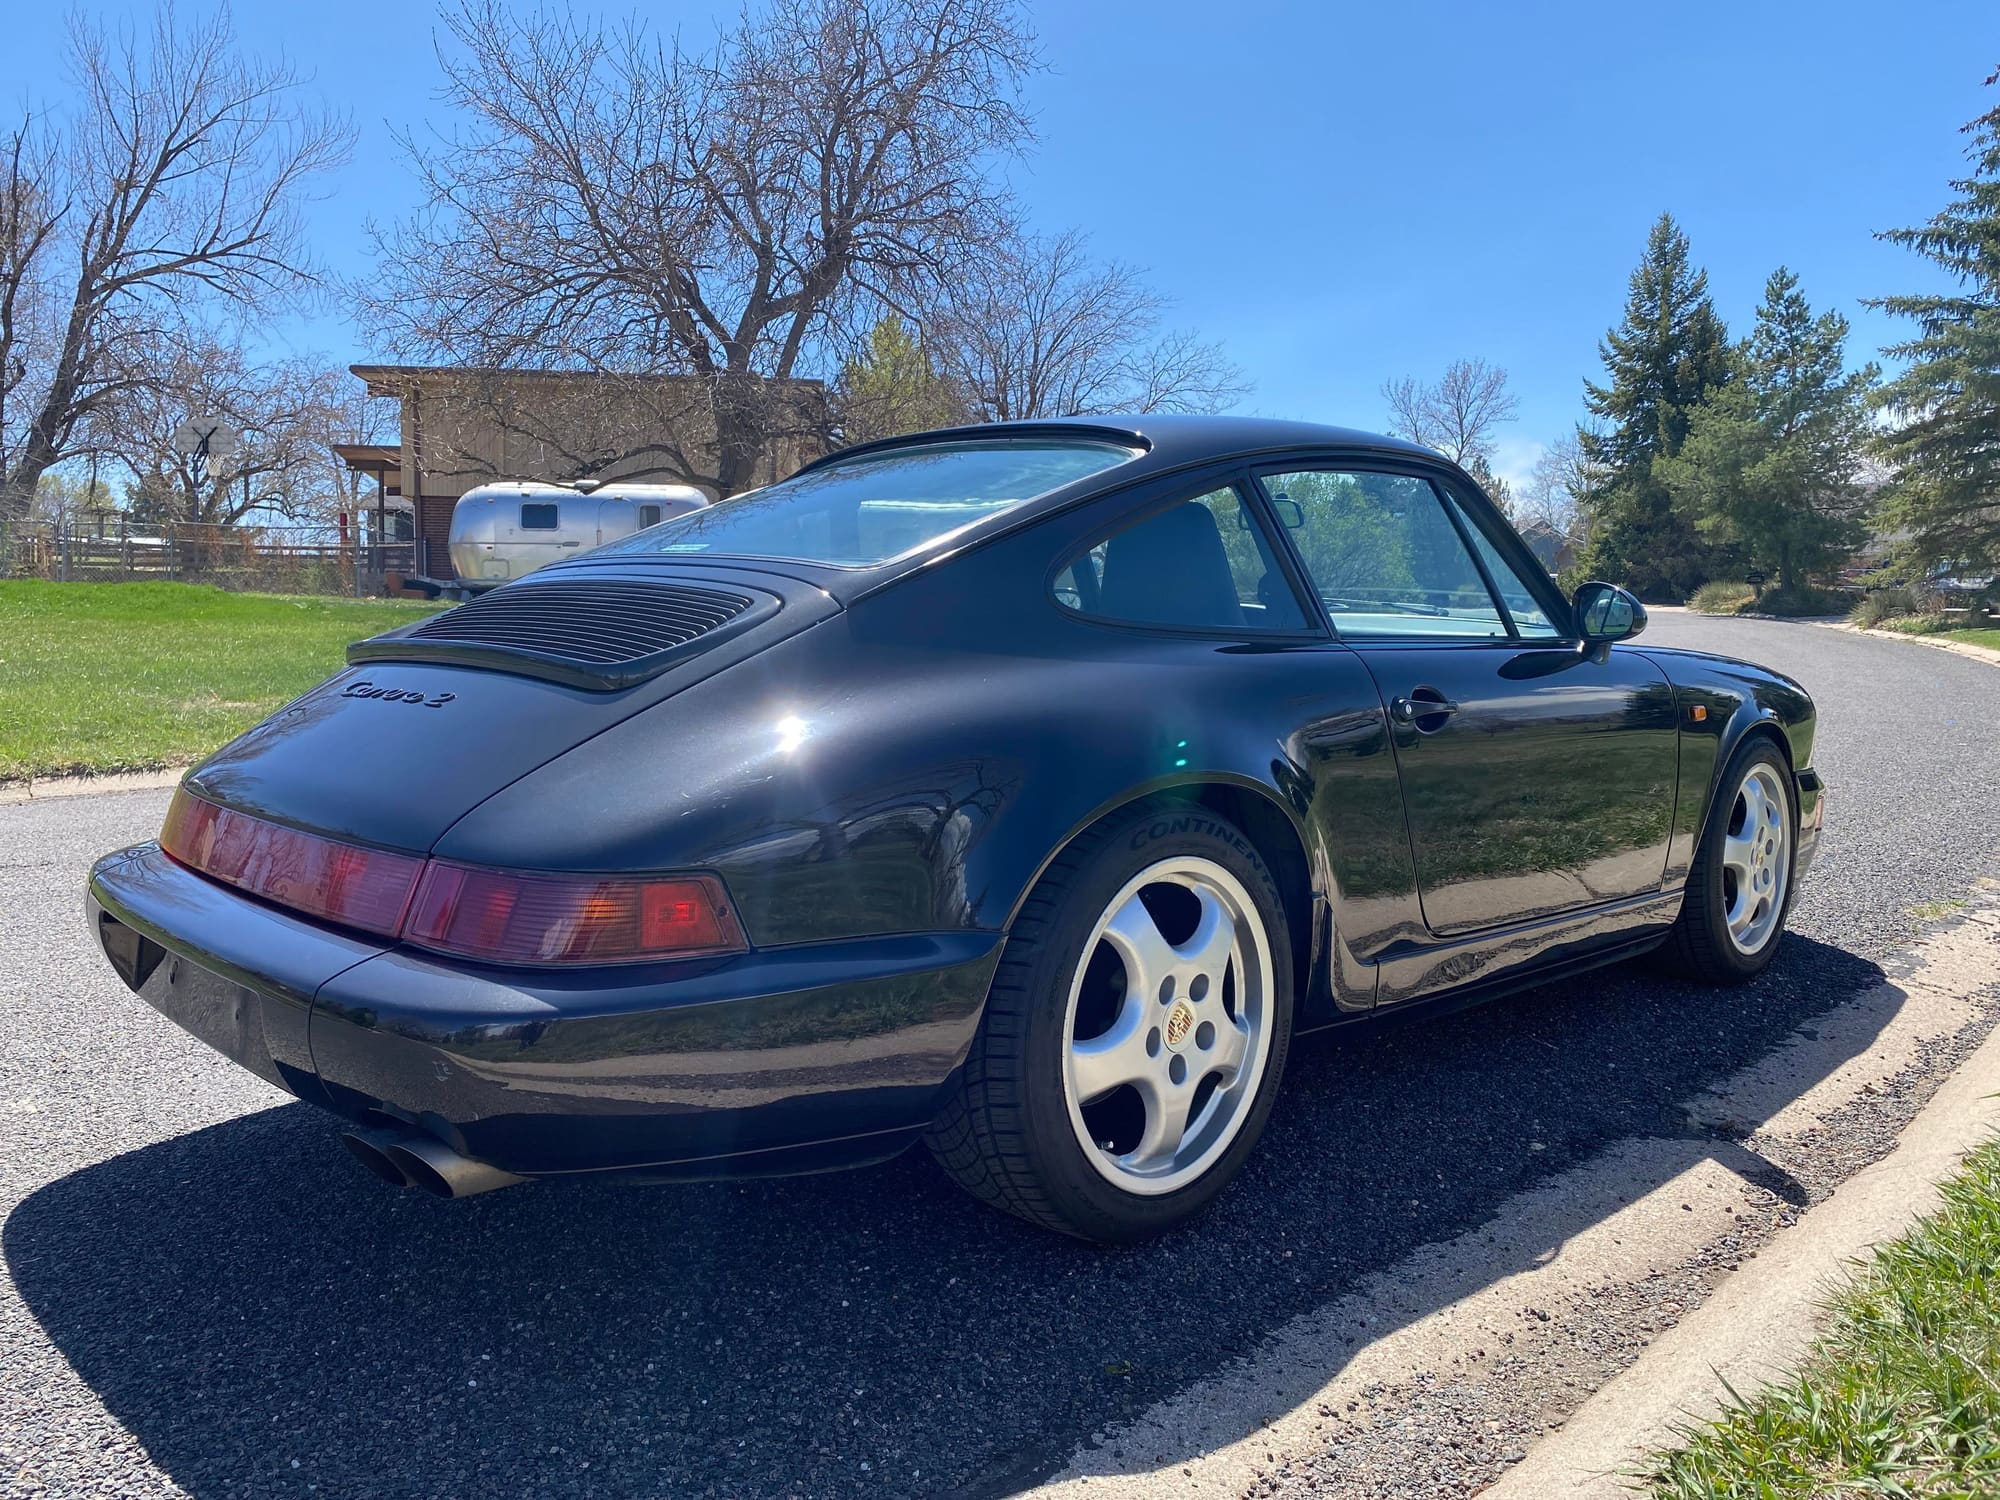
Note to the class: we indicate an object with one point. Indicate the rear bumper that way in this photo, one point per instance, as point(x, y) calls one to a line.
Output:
point(772, 1060)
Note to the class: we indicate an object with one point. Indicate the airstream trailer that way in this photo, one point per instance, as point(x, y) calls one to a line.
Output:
point(501, 531)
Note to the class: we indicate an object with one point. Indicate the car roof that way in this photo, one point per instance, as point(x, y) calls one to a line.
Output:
point(1169, 439)
point(1165, 442)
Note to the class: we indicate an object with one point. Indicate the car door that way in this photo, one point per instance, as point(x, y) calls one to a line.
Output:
point(1537, 776)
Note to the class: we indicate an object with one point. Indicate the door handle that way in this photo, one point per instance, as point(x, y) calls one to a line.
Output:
point(1424, 703)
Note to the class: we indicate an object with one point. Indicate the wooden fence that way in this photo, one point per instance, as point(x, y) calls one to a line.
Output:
point(264, 559)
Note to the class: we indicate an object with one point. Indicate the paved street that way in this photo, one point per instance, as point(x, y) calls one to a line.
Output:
point(203, 1294)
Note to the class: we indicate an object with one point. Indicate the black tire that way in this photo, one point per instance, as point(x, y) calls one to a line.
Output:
point(1699, 946)
point(1005, 1133)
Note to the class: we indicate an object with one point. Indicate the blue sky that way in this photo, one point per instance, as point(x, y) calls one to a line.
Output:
point(1347, 193)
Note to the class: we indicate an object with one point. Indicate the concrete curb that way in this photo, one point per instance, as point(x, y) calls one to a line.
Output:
point(1761, 1321)
point(44, 788)
point(1961, 648)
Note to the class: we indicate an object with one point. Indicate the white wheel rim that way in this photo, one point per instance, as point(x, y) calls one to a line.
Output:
point(1756, 860)
point(1153, 1114)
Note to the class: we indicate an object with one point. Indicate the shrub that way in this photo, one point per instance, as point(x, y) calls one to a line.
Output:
point(1803, 600)
point(1917, 624)
point(1883, 604)
point(1722, 598)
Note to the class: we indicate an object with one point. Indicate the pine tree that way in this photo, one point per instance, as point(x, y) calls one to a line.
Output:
point(1666, 355)
point(1944, 440)
point(891, 387)
point(1771, 465)
point(1497, 488)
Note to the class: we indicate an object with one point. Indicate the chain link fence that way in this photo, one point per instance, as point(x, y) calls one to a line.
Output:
point(262, 559)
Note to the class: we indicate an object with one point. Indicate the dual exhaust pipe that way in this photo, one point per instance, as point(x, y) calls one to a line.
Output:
point(411, 1159)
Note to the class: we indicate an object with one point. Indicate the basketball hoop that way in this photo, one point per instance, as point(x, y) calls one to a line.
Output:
point(209, 441)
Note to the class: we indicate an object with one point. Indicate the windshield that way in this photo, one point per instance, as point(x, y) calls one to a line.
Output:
point(865, 510)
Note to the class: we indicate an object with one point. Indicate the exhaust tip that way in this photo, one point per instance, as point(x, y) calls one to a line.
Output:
point(369, 1147)
point(429, 1164)
point(417, 1172)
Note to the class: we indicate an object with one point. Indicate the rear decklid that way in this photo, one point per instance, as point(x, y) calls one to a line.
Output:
point(429, 721)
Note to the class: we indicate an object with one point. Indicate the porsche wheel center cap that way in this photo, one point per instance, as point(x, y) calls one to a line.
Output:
point(1180, 1024)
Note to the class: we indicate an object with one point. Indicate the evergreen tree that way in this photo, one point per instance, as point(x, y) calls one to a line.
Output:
point(1666, 355)
point(1771, 465)
point(1498, 490)
point(1944, 441)
point(891, 387)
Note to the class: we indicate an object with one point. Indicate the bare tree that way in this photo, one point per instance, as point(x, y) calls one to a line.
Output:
point(29, 216)
point(173, 183)
point(615, 203)
point(288, 413)
point(1039, 329)
point(1457, 414)
point(1562, 476)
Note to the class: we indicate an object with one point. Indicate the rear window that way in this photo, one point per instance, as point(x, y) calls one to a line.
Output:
point(868, 509)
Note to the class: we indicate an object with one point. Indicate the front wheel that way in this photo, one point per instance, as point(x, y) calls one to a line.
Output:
point(1134, 1035)
point(1740, 887)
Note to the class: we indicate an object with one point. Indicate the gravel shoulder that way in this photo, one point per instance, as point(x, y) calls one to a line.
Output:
point(1642, 1274)
point(204, 1296)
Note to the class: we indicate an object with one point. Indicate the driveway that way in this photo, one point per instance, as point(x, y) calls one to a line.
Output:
point(204, 1294)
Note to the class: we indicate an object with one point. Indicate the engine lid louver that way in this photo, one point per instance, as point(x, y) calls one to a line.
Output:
point(596, 633)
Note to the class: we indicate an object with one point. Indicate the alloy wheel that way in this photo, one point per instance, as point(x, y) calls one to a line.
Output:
point(1168, 1031)
point(1756, 860)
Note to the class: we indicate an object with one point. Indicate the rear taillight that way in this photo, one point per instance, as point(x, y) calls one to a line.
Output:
point(344, 883)
point(549, 919)
point(496, 915)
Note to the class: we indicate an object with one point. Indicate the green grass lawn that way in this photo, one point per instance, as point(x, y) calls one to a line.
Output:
point(1934, 626)
point(1902, 1394)
point(124, 676)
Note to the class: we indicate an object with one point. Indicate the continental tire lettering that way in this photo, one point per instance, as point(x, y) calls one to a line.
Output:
point(1169, 825)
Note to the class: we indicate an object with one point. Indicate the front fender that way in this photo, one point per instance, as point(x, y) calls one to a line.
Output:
point(1735, 699)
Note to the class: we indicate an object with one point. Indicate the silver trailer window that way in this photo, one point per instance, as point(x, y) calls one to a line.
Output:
point(539, 515)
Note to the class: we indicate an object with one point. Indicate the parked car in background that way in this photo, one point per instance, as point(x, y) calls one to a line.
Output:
point(500, 532)
point(1021, 789)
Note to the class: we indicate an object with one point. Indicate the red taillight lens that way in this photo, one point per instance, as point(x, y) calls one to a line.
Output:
point(549, 919)
point(495, 915)
point(344, 883)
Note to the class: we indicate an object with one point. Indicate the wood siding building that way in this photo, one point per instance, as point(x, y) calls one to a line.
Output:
point(466, 427)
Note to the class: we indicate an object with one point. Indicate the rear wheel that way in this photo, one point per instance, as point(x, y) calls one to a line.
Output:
point(1741, 885)
point(1134, 1035)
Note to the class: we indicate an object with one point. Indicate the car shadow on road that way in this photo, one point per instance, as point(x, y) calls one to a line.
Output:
point(264, 1316)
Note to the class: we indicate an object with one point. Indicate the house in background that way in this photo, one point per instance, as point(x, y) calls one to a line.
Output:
point(390, 519)
point(461, 428)
point(1552, 547)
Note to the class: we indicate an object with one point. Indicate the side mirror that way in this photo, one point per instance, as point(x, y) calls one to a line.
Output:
point(1606, 613)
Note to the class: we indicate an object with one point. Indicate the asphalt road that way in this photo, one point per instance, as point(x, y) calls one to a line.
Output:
point(203, 1294)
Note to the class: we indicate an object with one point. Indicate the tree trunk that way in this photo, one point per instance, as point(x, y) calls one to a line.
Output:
point(739, 432)
point(17, 493)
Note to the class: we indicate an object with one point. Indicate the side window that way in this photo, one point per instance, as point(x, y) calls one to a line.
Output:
point(1530, 619)
point(1383, 554)
point(649, 515)
point(1204, 564)
point(538, 516)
